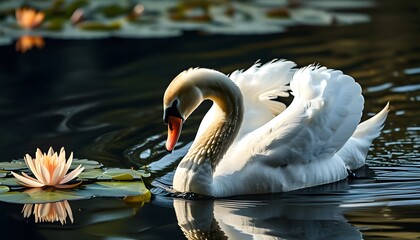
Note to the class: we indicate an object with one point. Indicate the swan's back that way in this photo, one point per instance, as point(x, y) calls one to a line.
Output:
point(296, 149)
point(260, 85)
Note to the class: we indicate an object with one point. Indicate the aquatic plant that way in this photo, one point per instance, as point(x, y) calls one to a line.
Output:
point(48, 212)
point(29, 18)
point(49, 169)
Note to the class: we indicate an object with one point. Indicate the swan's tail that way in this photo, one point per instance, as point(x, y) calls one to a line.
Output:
point(354, 152)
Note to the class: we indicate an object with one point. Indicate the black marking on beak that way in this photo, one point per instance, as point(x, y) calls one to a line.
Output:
point(171, 111)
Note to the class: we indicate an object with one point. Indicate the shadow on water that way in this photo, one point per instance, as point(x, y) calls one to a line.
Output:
point(102, 100)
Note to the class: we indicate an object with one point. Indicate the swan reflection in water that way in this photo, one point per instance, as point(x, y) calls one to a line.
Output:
point(308, 216)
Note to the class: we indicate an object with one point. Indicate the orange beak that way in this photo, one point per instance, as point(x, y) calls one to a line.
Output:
point(174, 130)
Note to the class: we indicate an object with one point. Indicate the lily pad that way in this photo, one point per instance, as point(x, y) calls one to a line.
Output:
point(10, 182)
point(140, 198)
point(124, 174)
point(40, 196)
point(87, 164)
point(90, 174)
point(98, 189)
point(113, 174)
point(3, 173)
point(97, 26)
point(4, 189)
point(116, 189)
point(13, 165)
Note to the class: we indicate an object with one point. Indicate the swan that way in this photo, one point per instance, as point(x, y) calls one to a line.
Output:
point(251, 143)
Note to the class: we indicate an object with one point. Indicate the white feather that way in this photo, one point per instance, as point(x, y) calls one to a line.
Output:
point(277, 149)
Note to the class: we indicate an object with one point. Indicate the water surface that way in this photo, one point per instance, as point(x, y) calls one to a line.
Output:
point(102, 98)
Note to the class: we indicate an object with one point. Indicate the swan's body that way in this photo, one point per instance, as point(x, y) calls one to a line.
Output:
point(249, 144)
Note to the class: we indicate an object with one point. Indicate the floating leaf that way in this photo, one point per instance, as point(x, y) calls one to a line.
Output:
point(3, 173)
point(116, 189)
point(97, 26)
point(98, 189)
point(114, 174)
point(87, 164)
point(41, 196)
point(91, 174)
point(10, 181)
point(4, 189)
point(144, 198)
point(13, 165)
point(123, 174)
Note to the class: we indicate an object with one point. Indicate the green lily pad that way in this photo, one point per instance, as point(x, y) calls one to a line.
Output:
point(10, 182)
point(116, 189)
point(97, 26)
point(4, 189)
point(3, 173)
point(90, 174)
point(124, 174)
point(41, 196)
point(113, 174)
point(87, 164)
point(55, 24)
point(13, 165)
point(98, 189)
point(113, 11)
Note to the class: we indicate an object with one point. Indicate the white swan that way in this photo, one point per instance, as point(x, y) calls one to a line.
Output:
point(249, 144)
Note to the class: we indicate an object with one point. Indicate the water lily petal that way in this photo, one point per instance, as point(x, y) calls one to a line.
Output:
point(72, 174)
point(29, 177)
point(58, 174)
point(26, 181)
point(32, 166)
point(50, 151)
point(62, 155)
point(52, 163)
point(69, 161)
point(38, 167)
point(45, 174)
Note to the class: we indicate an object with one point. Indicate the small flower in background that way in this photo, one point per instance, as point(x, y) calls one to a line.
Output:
point(78, 16)
point(49, 212)
point(26, 43)
point(29, 18)
point(49, 170)
point(136, 13)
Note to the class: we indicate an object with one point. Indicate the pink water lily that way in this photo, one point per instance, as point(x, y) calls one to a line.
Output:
point(49, 170)
point(29, 18)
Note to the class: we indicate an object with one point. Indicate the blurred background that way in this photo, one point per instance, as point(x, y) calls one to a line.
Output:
point(90, 75)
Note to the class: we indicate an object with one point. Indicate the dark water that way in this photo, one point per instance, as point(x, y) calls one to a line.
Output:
point(101, 99)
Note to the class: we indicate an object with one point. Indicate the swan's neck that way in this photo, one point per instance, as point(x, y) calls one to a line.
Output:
point(195, 171)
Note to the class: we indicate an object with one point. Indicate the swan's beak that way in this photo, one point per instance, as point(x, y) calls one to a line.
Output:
point(174, 130)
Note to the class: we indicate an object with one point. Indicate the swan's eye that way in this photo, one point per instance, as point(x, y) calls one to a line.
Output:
point(171, 111)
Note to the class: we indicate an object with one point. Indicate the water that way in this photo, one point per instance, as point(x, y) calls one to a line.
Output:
point(102, 100)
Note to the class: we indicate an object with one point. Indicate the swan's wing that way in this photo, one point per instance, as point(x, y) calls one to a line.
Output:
point(323, 115)
point(259, 85)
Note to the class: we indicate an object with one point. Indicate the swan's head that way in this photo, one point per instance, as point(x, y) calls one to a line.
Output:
point(181, 98)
